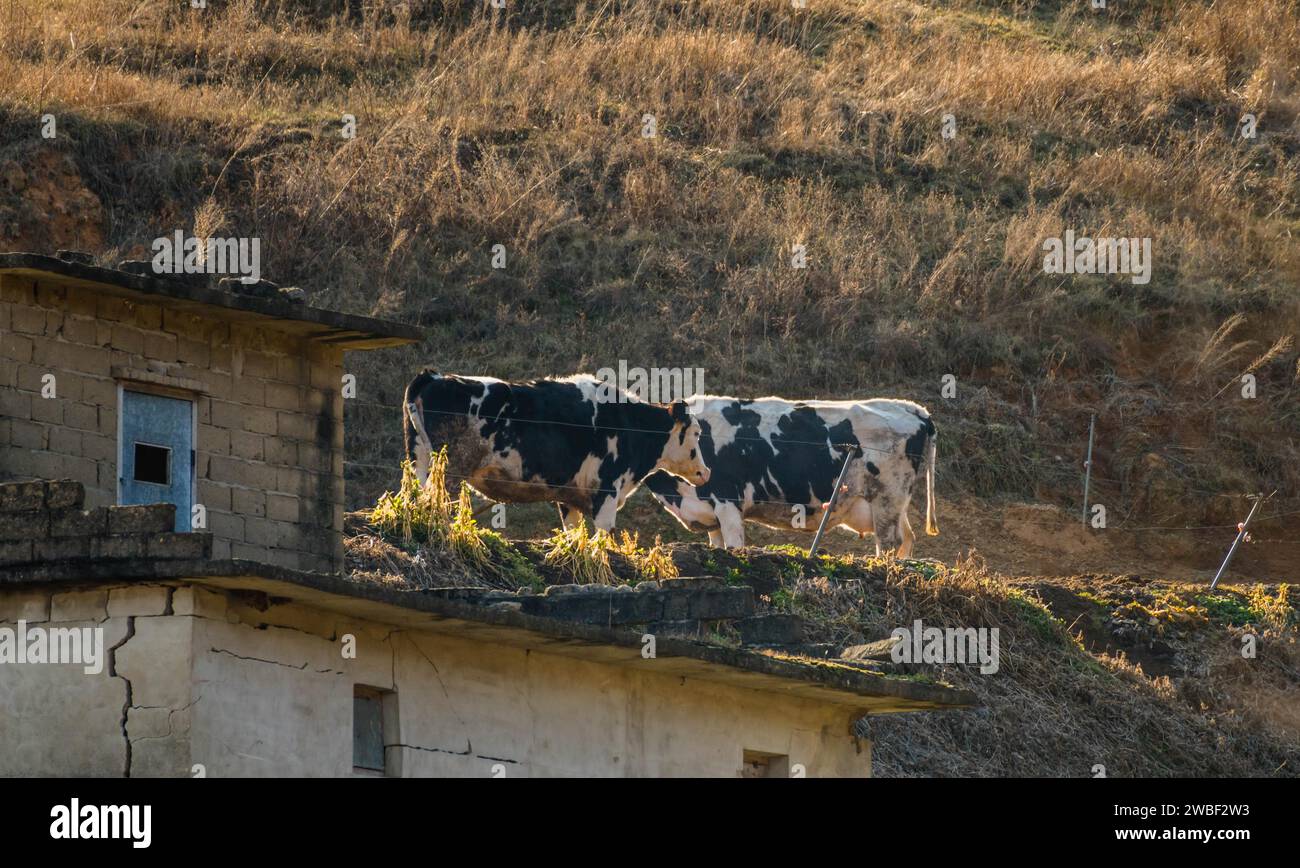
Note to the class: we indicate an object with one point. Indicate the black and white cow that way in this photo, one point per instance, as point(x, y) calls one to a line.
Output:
point(574, 441)
point(775, 462)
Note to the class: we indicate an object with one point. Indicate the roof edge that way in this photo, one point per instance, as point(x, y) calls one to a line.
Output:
point(866, 692)
point(350, 331)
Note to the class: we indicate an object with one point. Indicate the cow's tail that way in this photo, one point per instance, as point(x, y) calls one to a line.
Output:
point(931, 528)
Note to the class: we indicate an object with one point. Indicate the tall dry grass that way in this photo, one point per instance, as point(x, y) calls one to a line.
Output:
point(776, 127)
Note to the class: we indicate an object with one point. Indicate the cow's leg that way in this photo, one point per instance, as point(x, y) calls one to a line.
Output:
point(607, 515)
point(908, 537)
point(889, 534)
point(715, 538)
point(731, 524)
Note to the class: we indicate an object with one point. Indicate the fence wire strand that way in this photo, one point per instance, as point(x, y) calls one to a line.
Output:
point(1053, 466)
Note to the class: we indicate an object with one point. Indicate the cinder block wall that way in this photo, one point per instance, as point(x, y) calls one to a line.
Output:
point(44, 523)
point(269, 444)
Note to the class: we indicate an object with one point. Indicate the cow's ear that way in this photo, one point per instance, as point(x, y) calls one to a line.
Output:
point(680, 412)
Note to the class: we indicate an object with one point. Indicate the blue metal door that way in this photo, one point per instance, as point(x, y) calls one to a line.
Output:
point(156, 462)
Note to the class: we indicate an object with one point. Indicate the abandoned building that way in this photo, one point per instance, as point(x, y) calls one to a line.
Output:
point(174, 598)
point(148, 390)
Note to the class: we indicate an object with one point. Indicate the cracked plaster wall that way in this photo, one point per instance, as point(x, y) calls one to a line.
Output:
point(246, 689)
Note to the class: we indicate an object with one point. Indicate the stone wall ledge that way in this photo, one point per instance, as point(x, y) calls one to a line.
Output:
point(42, 522)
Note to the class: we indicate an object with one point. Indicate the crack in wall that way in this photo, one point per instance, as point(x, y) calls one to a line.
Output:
point(266, 625)
point(302, 668)
point(126, 706)
point(169, 611)
point(449, 752)
point(431, 749)
point(170, 715)
point(469, 744)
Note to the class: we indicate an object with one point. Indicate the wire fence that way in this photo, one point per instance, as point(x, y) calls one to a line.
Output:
point(1057, 467)
point(1050, 465)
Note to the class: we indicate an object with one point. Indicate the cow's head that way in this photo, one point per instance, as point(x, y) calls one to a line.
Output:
point(682, 455)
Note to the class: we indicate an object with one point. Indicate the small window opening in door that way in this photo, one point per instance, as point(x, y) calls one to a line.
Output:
point(153, 464)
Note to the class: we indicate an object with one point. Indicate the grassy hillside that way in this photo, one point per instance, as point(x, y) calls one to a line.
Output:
point(775, 126)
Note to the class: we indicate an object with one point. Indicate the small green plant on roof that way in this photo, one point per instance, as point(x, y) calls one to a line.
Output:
point(835, 567)
point(463, 534)
point(1049, 628)
point(509, 565)
point(782, 600)
point(1273, 610)
point(581, 554)
point(1226, 608)
point(1257, 606)
point(426, 515)
point(652, 564)
point(1168, 608)
point(1094, 599)
point(723, 634)
point(791, 571)
point(418, 514)
point(925, 568)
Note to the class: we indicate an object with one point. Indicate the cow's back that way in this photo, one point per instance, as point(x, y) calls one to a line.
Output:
point(771, 454)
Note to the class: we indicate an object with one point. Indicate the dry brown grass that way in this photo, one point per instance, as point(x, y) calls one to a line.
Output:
point(776, 126)
point(1053, 709)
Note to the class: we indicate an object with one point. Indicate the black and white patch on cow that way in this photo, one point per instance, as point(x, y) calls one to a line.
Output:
point(570, 440)
point(775, 462)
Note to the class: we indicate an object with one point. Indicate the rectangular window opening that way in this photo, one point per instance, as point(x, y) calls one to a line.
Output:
point(153, 464)
point(374, 713)
point(761, 764)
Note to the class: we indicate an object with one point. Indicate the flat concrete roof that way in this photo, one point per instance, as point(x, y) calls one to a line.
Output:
point(349, 331)
point(861, 692)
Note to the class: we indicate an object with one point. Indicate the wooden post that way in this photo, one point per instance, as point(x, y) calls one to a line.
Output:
point(1087, 467)
point(830, 505)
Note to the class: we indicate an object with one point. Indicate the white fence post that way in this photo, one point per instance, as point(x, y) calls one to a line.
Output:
point(1241, 534)
point(830, 505)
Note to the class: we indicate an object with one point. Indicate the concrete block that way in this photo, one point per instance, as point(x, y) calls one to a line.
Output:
point(24, 526)
point(64, 494)
point(17, 552)
point(124, 546)
point(137, 600)
point(22, 496)
point(199, 602)
point(30, 606)
point(91, 605)
point(149, 518)
point(179, 545)
point(93, 522)
point(775, 629)
point(61, 548)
